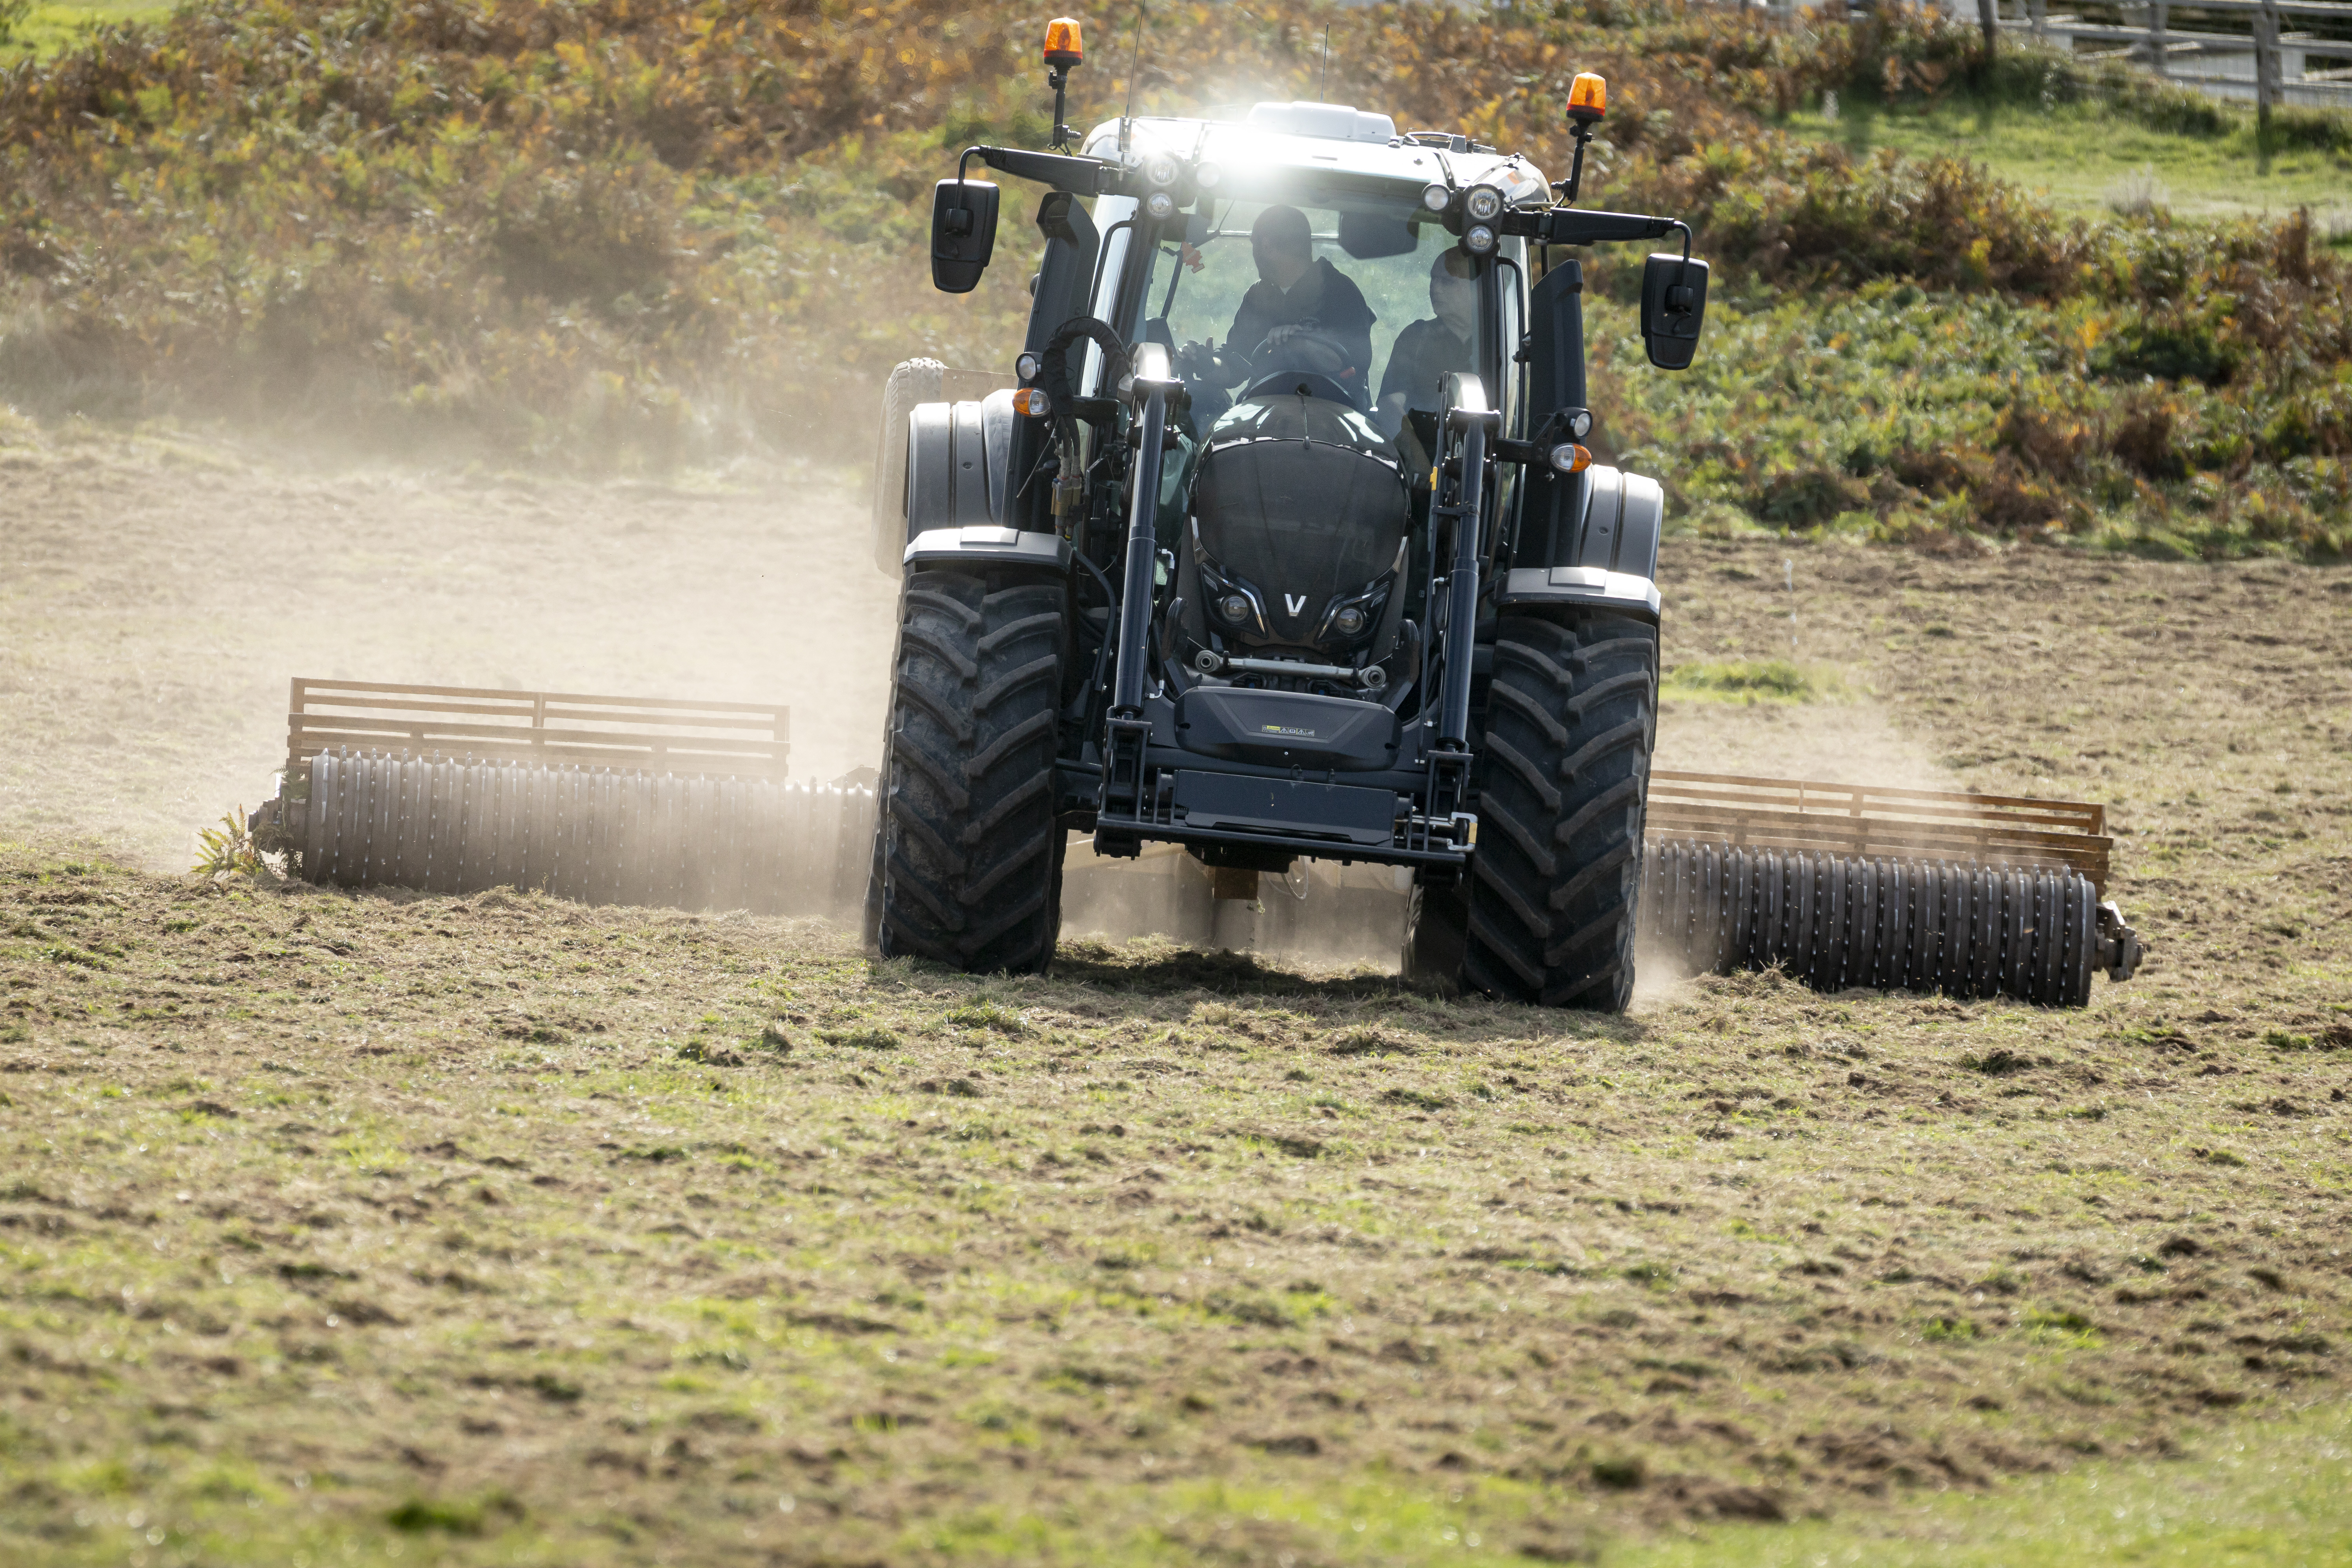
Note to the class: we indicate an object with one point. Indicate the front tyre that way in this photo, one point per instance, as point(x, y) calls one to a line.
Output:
point(1570, 718)
point(970, 858)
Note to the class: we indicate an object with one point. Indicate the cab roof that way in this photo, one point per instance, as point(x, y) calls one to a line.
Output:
point(1309, 139)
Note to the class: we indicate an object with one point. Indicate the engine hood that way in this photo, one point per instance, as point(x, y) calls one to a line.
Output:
point(1299, 506)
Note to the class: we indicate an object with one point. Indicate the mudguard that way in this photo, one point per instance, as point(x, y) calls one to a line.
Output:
point(959, 456)
point(1608, 558)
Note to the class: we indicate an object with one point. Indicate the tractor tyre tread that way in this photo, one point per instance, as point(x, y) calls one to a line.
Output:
point(970, 857)
point(1573, 706)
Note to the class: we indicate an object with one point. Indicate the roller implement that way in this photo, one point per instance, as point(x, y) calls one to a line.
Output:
point(1276, 569)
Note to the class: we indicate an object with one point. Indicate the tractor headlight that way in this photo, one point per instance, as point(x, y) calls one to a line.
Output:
point(1479, 239)
point(1435, 197)
point(1208, 176)
point(1026, 367)
point(1235, 608)
point(1160, 206)
point(1160, 169)
point(1579, 424)
point(1349, 621)
point(1483, 204)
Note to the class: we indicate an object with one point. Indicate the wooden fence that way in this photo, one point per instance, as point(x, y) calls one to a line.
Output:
point(2266, 52)
point(2199, 44)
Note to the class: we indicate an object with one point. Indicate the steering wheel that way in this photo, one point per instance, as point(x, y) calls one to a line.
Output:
point(1308, 350)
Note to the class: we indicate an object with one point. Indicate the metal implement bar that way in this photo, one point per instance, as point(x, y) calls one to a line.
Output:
point(1863, 820)
point(490, 723)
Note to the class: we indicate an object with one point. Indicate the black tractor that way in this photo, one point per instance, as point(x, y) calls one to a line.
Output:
point(1284, 545)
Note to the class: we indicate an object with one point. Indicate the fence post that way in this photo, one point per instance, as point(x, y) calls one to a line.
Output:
point(2266, 69)
point(1989, 13)
point(2159, 46)
point(2039, 10)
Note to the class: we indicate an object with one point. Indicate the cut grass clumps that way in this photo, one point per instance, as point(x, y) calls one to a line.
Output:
point(868, 1038)
point(1747, 680)
point(490, 1512)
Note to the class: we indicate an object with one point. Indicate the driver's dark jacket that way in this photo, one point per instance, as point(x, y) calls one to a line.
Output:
point(1325, 300)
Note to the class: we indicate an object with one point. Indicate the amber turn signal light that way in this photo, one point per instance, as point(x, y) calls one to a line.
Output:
point(1588, 98)
point(1065, 47)
point(1032, 400)
point(1568, 458)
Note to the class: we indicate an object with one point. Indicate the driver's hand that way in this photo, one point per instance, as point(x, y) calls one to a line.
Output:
point(1281, 335)
point(1196, 360)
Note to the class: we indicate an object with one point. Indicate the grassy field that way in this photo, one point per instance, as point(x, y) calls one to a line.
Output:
point(384, 1229)
point(46, 28)
point(2084, 157)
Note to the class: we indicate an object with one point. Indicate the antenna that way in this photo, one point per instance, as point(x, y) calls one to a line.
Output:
point(1323, 86)
point(1134, 66)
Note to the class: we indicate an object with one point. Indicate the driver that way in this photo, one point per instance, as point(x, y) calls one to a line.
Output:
point(1427, 352)
point(1302, 314)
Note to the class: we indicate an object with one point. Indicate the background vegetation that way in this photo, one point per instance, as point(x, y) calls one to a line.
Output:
point(651, 231)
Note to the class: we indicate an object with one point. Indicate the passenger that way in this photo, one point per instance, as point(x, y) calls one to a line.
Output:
point(1426, 352)
point(1302, 314)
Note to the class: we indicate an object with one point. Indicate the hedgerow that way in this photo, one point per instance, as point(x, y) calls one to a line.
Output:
point(639, 232)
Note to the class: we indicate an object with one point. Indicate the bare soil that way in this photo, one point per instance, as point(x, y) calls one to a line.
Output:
point(349, 1228)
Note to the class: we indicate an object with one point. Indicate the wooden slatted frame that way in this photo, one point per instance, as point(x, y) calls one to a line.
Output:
point(1871, 822)
point(648, 733)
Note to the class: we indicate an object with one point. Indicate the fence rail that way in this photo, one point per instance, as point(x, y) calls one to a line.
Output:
point(2263, 65)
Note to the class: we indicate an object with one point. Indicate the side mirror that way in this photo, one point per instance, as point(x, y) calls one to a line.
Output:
point(963, 234)
point(1674, 304)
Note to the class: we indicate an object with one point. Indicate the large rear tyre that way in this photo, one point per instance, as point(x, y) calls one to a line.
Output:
point(971, 857)
point(1570, 718)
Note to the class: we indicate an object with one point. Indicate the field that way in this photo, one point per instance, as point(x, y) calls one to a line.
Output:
point(376, 1229)
point(516, 344)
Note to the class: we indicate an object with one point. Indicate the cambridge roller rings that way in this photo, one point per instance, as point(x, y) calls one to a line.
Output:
point(598, 835)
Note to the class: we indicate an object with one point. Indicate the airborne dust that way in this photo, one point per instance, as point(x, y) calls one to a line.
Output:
point(163, 592)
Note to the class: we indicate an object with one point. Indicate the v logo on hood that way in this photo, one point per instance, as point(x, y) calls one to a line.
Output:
point(1294, 602)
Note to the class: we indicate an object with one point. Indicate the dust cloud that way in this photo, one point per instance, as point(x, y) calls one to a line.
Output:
point(156, 597)
point(159, 594)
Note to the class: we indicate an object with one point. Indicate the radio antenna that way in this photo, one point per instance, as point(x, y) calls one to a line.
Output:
point(1134, 65)
point(1323, 86)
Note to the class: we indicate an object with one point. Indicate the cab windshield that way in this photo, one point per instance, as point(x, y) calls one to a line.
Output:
point(1371, 305)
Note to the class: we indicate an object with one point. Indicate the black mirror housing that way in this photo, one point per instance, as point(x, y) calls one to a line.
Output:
point(1673, 306)
point(963, 234)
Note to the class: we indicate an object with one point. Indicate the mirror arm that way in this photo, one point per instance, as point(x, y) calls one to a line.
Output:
point(1080, 176)
point(1567, 226)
